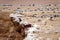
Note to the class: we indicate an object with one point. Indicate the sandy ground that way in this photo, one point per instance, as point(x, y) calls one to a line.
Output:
point(8, 29)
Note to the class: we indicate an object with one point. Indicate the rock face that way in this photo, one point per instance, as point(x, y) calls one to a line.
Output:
point(8, 29)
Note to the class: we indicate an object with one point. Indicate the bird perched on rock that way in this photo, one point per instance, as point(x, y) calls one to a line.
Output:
point(18, 22)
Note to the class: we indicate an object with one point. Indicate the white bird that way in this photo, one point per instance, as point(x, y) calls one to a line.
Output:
point(15, 16)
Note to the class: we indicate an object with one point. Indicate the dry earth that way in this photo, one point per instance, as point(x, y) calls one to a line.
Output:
point(8, 29)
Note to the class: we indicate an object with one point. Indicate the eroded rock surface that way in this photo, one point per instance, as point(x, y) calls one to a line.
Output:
point(8, 29)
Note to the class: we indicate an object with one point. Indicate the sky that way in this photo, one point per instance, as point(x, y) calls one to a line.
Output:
point(29, 1)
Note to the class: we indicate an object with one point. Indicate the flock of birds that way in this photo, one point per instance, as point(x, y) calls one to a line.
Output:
point(48, 7)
